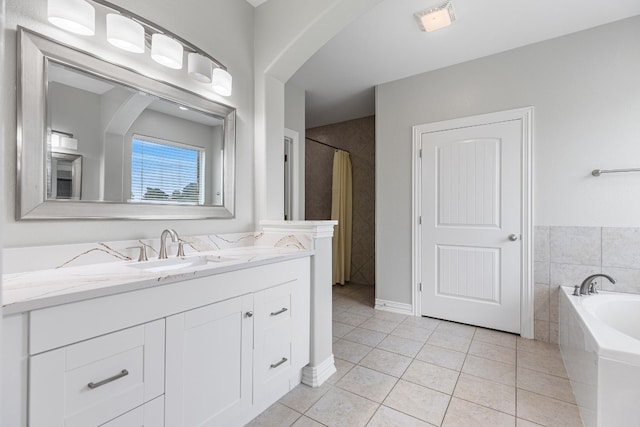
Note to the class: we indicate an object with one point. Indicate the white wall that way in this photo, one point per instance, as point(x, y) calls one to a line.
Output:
point(294, 119)
point(1, 182)
point(223, 28)
point(287, 33)
point(586, 94)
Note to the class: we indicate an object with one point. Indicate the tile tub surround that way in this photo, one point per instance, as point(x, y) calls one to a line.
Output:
point(412, 378)
point(565, 256)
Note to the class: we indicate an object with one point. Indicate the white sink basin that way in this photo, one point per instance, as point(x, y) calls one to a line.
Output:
point(170, 264)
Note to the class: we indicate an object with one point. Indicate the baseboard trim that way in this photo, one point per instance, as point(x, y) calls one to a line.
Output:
point(394, 307)
point(315, 376)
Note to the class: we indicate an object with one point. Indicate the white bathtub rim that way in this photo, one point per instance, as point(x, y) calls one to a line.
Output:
point(611, 343)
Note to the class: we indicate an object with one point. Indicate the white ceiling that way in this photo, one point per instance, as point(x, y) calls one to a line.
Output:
point(385, 44)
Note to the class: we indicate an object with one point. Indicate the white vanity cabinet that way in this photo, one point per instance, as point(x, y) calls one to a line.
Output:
point(229, 361)
point(207, 351)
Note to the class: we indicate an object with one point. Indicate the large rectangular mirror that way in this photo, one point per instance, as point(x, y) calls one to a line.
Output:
point(136, 147)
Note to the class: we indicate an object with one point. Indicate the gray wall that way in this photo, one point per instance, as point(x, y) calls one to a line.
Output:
point(223, 28)
point(586, 95)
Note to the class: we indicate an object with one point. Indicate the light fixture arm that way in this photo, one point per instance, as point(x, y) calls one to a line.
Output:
point(150, 28)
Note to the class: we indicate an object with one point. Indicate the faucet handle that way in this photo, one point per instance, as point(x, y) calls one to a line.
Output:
point(592, 288)
point(180, 249)
point(142, 255)
point(576, 291)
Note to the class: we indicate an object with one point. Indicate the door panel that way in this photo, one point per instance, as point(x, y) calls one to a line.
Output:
point(471, 203)
point(468, 183)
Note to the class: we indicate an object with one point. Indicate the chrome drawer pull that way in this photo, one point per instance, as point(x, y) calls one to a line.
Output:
point(275, 313)
point(122, 373)
point(275, 365)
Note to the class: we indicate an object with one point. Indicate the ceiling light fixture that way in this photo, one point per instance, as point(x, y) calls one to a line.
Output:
point(436, 17)
point(125, 33)
point(76, 16)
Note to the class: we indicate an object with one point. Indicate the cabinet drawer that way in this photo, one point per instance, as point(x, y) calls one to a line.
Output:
point(272, 343)
point(275, 355)
point(273, 306)
point(92, 382)
point(151, 414)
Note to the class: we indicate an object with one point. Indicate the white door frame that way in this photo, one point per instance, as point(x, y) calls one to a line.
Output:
point(294, 137)
point(526, 261)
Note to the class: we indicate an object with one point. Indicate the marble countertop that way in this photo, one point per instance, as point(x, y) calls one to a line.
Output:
point(44, 288)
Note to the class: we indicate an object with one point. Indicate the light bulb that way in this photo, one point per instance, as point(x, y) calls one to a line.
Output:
point(166, 51)
point(125, 33)
point(76, 16)
point(199, 67)
point(222, 82)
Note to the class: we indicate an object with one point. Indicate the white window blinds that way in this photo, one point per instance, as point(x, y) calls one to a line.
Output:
point(167, 172)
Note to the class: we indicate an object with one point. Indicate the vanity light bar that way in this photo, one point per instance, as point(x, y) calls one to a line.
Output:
point(198, 60)
point(63, 140)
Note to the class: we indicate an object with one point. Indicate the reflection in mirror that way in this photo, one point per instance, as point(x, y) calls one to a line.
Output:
point(136, 147)
point(65, 174)
point(148, 149)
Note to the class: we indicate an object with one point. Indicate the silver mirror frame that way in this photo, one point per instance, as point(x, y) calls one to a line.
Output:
point(31, 199)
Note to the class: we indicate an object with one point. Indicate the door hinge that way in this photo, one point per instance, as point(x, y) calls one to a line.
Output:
point(420, 153)
point(286, 158)
point(420, 220)
point(420, 286)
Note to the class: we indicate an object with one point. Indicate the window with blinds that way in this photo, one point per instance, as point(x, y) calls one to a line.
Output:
point(165, 171)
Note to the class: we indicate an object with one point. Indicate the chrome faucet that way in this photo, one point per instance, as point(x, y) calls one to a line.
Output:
point(587, 287)
point(163, 244)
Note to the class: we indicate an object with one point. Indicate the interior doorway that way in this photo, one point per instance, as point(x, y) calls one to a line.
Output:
point(473, 214)
point(288, 185)
point(291, 172)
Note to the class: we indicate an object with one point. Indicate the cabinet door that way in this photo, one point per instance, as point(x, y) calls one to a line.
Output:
point(209, 364)
point(151, 414)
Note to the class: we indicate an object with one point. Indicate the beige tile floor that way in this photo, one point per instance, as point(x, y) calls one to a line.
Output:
point(397, 370)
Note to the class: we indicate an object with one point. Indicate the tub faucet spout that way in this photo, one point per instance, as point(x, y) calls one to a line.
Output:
point(585, 287)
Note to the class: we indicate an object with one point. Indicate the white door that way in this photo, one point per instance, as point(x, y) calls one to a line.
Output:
point(472, 224)
point(288, 184)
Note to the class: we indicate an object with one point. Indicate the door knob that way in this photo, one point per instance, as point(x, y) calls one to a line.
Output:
point(249, 314)
point(513, 237)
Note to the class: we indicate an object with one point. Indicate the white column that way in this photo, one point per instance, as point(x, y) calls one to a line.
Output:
point(321, 365)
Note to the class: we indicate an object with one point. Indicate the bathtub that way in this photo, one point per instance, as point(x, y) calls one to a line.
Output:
point(599, 338)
